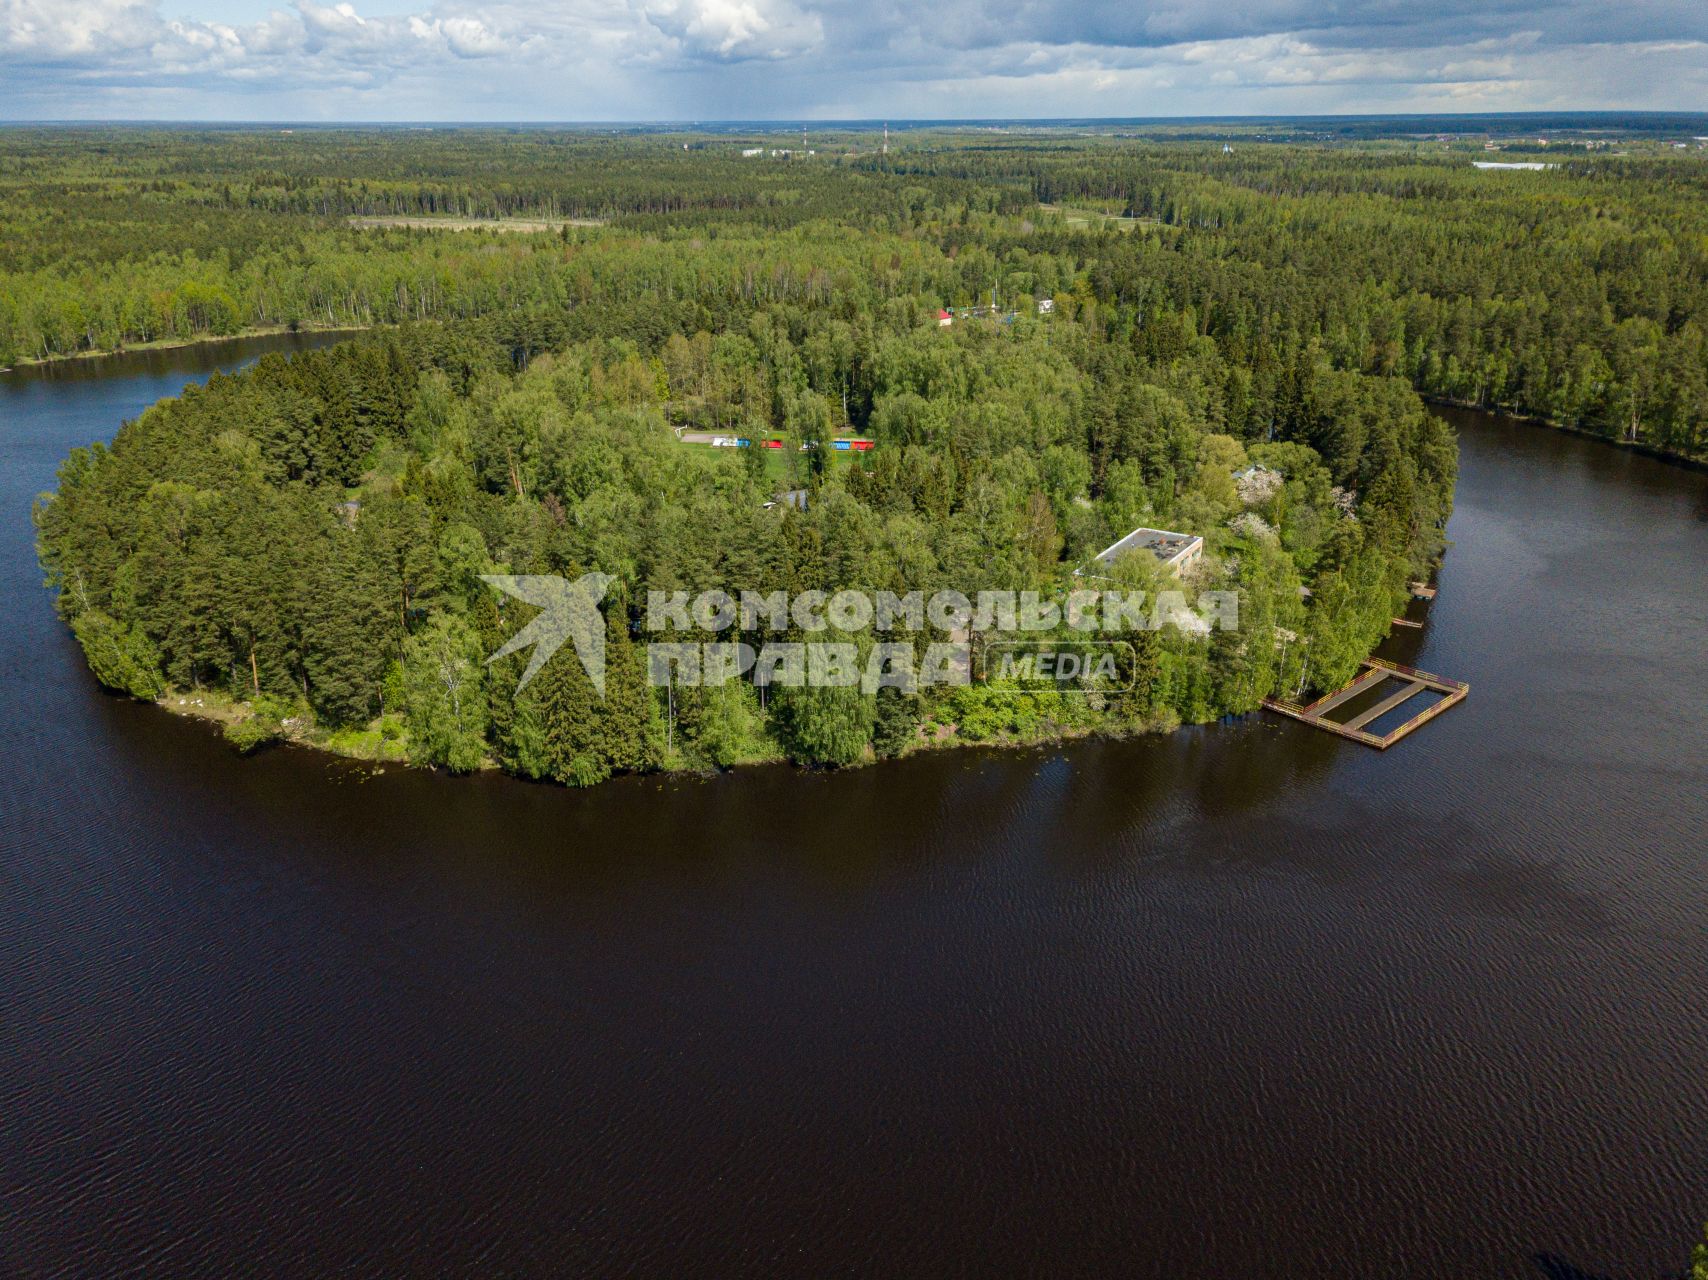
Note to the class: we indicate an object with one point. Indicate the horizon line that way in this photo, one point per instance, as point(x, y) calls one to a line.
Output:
point(828, 122)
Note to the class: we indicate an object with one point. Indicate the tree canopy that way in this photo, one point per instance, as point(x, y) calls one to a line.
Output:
point(314, 529)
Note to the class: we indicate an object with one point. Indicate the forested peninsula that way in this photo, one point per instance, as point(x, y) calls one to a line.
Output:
point(969, 364)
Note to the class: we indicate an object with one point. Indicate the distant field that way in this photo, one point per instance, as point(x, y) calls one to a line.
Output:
point(477, 224)
point(1076, 217)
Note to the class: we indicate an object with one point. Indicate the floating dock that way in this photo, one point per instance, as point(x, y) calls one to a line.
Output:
point(1376, 672)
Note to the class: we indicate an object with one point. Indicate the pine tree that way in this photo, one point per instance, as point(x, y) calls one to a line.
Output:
point(347, 639)
point(587, 737)
point(895, 723)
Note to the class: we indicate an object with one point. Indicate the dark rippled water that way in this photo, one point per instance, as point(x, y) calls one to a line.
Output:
point(1244, 1001)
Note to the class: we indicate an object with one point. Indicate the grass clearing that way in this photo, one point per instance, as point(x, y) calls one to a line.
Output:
point(1075, 216)
point(418, 222)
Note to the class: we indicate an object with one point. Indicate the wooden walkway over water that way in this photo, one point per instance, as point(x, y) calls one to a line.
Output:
point(1376, 672)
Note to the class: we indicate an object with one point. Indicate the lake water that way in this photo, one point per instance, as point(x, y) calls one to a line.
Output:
point(1247, 1000)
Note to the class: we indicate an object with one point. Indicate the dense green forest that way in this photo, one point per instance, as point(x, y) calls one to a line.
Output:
point(1578, 294)
point(308, 538)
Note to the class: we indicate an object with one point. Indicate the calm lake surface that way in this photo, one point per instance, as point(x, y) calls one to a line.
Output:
point(1244, 1001)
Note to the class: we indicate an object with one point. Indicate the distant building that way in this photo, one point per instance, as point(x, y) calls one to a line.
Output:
point(944, 319)
point(1176, 552)
point(1046, 305)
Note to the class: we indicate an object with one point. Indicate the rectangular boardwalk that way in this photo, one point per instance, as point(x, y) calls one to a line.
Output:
point(1385, 705)
point(1376, 670)
point(1367, 680)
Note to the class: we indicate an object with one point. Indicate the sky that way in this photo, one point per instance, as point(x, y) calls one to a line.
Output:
point(650, 60)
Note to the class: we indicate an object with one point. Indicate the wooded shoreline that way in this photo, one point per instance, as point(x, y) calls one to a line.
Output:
point(1687, 461)
point(182, 344)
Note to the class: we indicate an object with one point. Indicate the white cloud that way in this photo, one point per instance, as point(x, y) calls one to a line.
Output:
point(470, 38)
point(605, 59)
point(736, 29)
point(55, 29)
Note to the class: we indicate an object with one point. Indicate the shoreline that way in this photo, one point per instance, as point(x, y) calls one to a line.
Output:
point(369, 745)
point(383, 741)
point(1637, 447)
point(179, 344)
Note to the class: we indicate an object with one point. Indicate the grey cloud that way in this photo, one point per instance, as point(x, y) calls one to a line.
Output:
point(978, 24)
point(587, 59)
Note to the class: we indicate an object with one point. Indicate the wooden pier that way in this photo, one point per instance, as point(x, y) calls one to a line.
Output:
point(1376, 671)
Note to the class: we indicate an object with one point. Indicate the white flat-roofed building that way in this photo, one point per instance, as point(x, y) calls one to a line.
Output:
point(1176, 552)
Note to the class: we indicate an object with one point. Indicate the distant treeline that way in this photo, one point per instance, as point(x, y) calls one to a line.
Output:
point(1578, 294)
